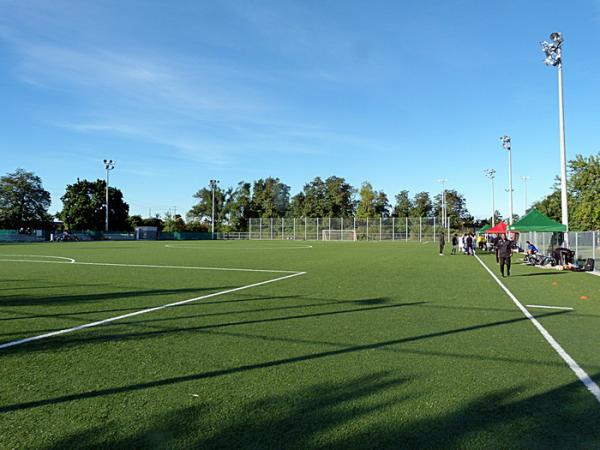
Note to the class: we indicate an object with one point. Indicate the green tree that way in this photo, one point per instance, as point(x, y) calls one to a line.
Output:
point(339, 197)
point(134, 221)
point(202, 210)
point(84, 208)
point(584, 190)
point(270, 197)
point(456, 206)
point(422, 206)
point(238, 206)
point(23, 201)
point(173, 222)
point(403, 206)
point(371, 203)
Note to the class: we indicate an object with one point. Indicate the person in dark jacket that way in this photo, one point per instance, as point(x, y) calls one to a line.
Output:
point(442, 243)
point(454, 244)
point(504, 247)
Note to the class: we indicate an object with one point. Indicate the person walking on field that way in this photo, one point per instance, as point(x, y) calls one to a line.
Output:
point(504, 247)
point(442, 243)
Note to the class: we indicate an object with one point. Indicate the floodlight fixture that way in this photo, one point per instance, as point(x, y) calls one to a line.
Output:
point(507, 144)
point(109, 165)
point(213, 186)
point(491, 174)
point(553, 52)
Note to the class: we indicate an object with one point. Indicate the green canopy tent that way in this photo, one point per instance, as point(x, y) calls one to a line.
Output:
point(536, 221)
point(483, 229)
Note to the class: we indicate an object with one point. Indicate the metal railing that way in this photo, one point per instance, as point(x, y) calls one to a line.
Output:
point(373, 229)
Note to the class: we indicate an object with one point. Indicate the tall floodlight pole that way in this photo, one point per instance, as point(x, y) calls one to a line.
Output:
point(525, 179)
point(445, 223)
point(109, 165)
point(213, 186)
point(553, 53)
point(491, 174)
point(506, 143)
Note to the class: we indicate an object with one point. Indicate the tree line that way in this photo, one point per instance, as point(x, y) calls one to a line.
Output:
point(24, 203)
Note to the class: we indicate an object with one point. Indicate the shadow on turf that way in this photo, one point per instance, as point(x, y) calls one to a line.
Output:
point(242, 368)
point(138, 307)
point(52, 343)
point(364, 412)
point(100, 296)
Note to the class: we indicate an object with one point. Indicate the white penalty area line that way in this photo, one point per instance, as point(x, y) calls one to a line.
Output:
point(566, 308)
point(146, 266)
point(143, 311)
point(579, 372)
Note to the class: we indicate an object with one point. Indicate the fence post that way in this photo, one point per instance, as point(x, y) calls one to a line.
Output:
point(317, 228)
point(294, 228)
point(420, 229)
point(260, 229)
point(342, 229)
point(576, 244)
point(271, 228)
point(305, 227)
point(594, 248)
point(282, 228)
point(406, 230)
point(380, 223)
point(250, 229)
point(367, 228)
point(434, 229)
point(393, 228)
point(354, 227)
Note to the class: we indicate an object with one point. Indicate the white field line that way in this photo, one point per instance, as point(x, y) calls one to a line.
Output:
point(69, 260)
point(566, 308)
point(581, 374)
point(202, 247)
point(147, 266)
point(142, 311)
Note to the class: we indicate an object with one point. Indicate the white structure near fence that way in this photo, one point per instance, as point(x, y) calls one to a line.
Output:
point(349, 228)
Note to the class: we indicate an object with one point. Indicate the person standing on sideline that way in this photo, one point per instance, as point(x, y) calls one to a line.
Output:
point(469, 245)
point(504, 253)
point(495, 241)
point(454, 244)
point(442, 242)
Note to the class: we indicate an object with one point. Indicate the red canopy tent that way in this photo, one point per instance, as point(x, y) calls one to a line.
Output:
point(498, 229)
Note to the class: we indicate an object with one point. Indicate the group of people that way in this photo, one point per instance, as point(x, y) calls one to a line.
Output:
point(467, 243)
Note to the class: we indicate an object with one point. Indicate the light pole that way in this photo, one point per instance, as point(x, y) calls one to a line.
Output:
point(491, 174)
point(444, 210)
point(109, 165)
point(525, 179)
point(553, 53)
point(506, 143)
point(213, 186)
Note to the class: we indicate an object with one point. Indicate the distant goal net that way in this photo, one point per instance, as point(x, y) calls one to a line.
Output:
point(339, 235)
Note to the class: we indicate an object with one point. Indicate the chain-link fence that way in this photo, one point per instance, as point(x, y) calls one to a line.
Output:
point(344, 228)
point(584, 243)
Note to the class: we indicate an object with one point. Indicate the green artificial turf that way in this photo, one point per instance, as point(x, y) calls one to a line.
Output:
point(377, 345)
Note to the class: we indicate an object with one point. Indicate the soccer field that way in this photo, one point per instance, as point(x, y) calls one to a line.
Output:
point(261, 344)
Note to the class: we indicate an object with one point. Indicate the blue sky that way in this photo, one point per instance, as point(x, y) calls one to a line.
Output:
point(396, 93)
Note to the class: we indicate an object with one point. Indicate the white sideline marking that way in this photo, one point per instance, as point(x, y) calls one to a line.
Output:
point(70, 260)
point(142, 311)
point(581, 374)
point(566, 308)
point(288, 247)
point(147, 266)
